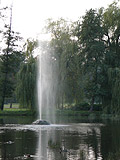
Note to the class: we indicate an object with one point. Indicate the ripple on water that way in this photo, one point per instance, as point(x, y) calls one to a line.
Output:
point(32, 127)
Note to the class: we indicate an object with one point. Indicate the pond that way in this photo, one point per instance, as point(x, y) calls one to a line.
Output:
point(69, 139)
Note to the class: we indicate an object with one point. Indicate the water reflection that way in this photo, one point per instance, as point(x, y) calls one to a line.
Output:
point(42, 148)
point(72, 141)
point(81, 141)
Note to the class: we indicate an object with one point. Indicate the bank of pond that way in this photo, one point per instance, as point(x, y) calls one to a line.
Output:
point(79, 111)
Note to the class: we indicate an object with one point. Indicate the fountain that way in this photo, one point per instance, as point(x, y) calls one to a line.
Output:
point(46, 86)
point(41, 122)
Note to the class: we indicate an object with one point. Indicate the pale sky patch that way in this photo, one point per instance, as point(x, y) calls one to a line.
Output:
point(29, 16)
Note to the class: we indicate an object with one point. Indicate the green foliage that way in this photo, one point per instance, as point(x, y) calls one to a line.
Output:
point(114, 80)
point(10, 60)
point(26, 85)
point(111, 27)
point(85, 51)
point(30, 45)
point(92, 54)
point(64, 47)
point(85, 55)
point(26, 79)
point(86, 107)
point(78, 113)
point(81, 106)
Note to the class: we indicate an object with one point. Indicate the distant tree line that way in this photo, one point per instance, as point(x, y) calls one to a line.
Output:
point(87, 56)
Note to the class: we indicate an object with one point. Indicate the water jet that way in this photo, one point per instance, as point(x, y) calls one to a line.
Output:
point(47, 80)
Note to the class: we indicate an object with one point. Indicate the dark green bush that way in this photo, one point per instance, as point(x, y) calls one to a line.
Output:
point(86, 107)
point(97, 107)
point(82, 107)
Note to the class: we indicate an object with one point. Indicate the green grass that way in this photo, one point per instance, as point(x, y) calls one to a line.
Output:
point(14, 105)
point(16, 111)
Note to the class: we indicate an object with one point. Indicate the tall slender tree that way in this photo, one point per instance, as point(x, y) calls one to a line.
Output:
point(92, 53)
point(111, 27)
point(9, 55)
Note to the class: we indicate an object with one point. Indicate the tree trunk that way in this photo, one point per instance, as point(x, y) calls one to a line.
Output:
point(6, 67)
point(4, 92)
point(2, 104)
point(11, 105)
point(92, 103)
point(62, 103)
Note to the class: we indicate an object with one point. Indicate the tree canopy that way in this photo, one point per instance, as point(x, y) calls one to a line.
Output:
point(85, 56)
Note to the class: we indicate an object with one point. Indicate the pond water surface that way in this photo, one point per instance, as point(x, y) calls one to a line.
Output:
point(66, 140)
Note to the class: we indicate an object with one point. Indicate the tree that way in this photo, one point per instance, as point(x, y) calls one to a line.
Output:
point(111, 26)
point(92, 54)
point(115, 89)
point(26, 78)
point(9, 58)
point(63, 45)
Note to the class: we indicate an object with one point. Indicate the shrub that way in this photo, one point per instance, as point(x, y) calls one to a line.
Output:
point(82, 107)
point(97, 107)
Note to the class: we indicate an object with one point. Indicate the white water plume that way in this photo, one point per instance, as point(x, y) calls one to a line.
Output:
point(46, 84)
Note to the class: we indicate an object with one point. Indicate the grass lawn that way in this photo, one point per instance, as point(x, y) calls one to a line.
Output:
point(14, 105)
point(15, 111)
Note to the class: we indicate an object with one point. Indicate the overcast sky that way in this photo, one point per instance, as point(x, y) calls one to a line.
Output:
point(29, 15)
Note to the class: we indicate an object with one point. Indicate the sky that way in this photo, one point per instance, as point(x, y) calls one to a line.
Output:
point(29, 16)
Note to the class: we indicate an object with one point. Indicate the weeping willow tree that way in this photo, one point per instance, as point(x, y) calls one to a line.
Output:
point(26, 78)
point(27, 85)
point(114, 80)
